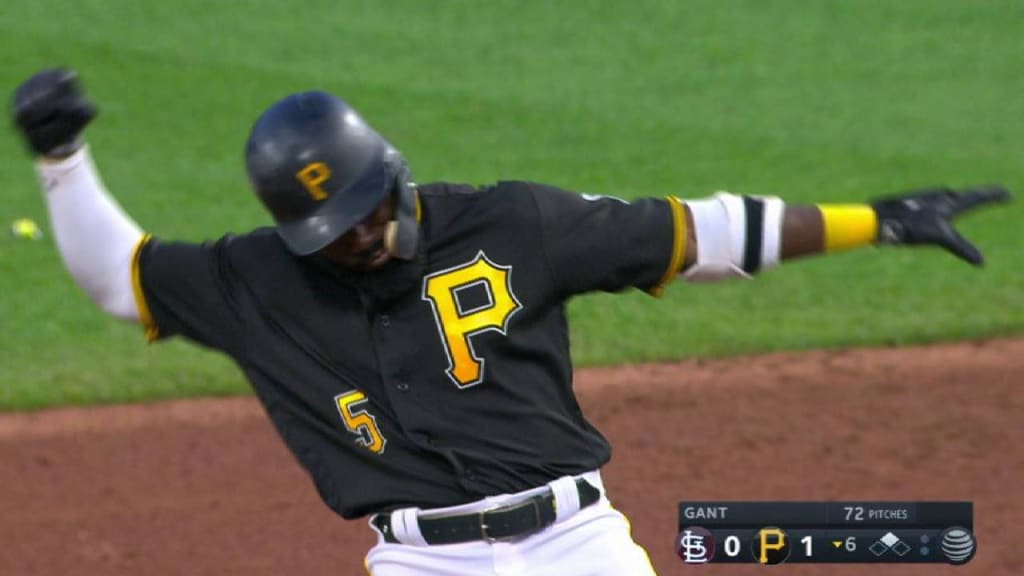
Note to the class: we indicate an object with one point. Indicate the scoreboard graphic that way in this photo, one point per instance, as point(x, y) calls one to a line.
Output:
point(826, 532)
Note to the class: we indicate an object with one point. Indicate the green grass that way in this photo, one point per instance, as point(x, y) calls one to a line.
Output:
point(810, 100)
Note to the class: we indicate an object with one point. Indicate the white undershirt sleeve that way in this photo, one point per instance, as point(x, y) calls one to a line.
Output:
point(96, 238)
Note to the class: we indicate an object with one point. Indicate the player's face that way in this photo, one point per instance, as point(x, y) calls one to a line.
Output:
point(362, 247)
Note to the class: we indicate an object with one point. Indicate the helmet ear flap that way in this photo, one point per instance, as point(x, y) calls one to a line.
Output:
point(403, 231)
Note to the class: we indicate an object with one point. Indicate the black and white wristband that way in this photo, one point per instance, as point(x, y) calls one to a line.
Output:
point(737, 236)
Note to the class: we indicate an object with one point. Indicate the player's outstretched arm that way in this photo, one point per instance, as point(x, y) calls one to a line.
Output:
point(922, 217)
point(730, 236)
point(96, 239)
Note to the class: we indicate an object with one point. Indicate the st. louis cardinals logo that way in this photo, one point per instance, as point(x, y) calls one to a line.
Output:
point(696, 545)
point(458, 324)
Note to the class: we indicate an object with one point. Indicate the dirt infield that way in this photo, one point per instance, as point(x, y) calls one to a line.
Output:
point(206, 487)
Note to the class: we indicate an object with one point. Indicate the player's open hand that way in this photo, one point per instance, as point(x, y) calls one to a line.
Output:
point(925, 217)
point(51, 110)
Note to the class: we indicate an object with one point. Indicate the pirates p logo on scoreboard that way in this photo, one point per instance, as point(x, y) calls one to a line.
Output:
point(770, 545)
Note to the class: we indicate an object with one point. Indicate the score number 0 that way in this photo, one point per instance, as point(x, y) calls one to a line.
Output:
point(732, 546)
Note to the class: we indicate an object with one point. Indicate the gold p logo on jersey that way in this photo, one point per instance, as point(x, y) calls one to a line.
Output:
point(458, 324)
point(312, 177)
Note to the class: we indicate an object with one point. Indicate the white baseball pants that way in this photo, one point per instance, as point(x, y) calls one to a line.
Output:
point(594, 541)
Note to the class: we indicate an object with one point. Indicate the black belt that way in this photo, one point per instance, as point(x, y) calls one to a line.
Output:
point(501, 523)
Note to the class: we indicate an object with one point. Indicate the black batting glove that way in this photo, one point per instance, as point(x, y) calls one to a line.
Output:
point(51, 110)
point(925, 217)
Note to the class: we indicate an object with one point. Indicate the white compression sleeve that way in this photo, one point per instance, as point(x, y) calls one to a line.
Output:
point(95, 237)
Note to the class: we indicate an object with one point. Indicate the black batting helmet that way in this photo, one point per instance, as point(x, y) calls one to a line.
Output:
point(320, 169)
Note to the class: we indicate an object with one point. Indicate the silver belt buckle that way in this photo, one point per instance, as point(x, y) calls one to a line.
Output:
point(483, 522)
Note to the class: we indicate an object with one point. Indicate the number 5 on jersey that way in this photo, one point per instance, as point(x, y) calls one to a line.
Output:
point(360, 422)
point(458, 323)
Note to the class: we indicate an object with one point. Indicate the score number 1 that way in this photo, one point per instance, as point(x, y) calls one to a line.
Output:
point(806, 541)
point(849, 544)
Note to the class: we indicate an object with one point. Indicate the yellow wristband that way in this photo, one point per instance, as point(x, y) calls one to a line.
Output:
point(848, 225)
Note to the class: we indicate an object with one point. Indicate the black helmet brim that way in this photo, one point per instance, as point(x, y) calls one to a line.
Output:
point(339, 213)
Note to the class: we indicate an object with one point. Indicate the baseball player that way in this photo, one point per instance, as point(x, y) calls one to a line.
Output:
point(409, 341)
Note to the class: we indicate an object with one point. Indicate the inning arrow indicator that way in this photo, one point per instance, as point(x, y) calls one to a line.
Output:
point(837, 543)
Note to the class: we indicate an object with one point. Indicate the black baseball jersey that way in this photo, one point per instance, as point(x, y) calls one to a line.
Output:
point(430, 382)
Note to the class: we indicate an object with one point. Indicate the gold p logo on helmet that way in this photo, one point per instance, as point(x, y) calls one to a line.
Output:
point(312, 176)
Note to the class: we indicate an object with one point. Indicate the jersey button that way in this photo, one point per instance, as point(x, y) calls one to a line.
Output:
point(385, 321)
point(402, 386)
